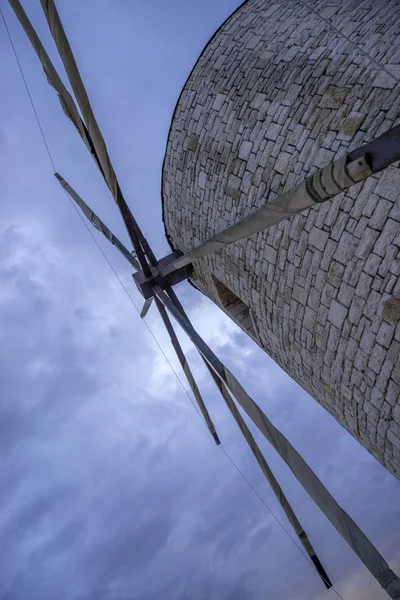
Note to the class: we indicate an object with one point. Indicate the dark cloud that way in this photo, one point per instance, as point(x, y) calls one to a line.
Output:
point(111, 487)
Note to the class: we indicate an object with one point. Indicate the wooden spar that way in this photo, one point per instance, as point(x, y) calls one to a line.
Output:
point(325, 184)
point(223, 390)
point(262, 463)
point(139, 242)
point(88, 127)
point(146, 307)
point(270, 477)
point(67, 103)
point(186, 369)
point(97, 222)
point(347, 528)
point(343, 523)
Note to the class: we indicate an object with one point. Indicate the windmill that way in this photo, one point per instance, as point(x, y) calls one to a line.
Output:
point(155, 279)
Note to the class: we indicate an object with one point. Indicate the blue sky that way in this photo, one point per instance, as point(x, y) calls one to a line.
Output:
point(112, 488)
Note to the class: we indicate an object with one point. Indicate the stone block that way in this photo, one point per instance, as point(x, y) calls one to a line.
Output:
point(337, 313)
point(371, 307)
point(392, 437)
point(202, 180)
point(388, 78)
point(352, 124)
point(259, 99)
point(367, 242)
point(363, 287)
point(346, 293)
point(270, 254)
point(389, 260)
point(377, 359)
point(314, 299)
point(273, 132)
point(323, 158)
point(318, 238)
point(282, 162)
point(380, 214)
point(310, 319)
point(328, 11)
point(396, 413)
point(233, 186)
point(390, 230)
point(367, 340)
point(292, 95)
point(349, 28)
point(328, 293)
point(292, 53)
point(299, 294)
point(391, 310)
point(372, 264)
point(219, 101)
point(394, 352)
point(361, 360)
point(333, 339)
point(245, 149)
point(377, 398)
point(356, 309)
point(246, 182)
point(389, 184)
point(252, 42)
point(370, 205)
point(192, 142)
point(372, 414)
point(361, 224)
point(334, 97)
point(385, 334)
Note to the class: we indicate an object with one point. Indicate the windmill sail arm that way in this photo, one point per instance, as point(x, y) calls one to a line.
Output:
point(79, 90)
point(323, 185)
point(276, 488)
point(65, 98)
point(338, 517)
point(270, 477)
point(139, 242)
point(86, 127)
point(98, 223)
point(308, 193)
point(186, 369)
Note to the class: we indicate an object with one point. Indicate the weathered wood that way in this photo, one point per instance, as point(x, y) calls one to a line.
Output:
point(97, 222)
point(186, 369)
point(338, 517)
point(323, 185)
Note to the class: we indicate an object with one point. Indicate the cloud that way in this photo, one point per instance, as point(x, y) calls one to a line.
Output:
point(112, 488)
point(115, 480)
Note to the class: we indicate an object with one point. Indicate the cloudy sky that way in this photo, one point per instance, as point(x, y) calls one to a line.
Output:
point(112, 487)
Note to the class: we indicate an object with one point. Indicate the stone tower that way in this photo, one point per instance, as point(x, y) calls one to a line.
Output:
point(284, 87)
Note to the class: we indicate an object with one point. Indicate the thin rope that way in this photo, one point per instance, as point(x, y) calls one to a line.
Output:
point(144, 322)
point(27, 88)
point(78, 212)
point(136, 307)
point(276, 518)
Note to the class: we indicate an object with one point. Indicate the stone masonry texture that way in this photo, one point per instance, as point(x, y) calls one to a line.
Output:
point(281, 89)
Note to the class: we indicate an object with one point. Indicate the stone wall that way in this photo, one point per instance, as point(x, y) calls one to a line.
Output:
point(283, 88)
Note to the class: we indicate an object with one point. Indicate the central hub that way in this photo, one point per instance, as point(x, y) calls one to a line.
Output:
point(165, 275)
